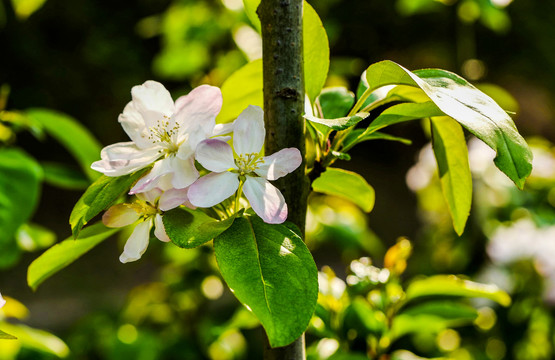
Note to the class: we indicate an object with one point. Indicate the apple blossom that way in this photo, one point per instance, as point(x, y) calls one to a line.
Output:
point(163, 133)
point(147, 210)
point(247, 171)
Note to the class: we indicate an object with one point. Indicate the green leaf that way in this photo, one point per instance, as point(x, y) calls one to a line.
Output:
point(444, 309)
point(241, 89)
point(20, 182)
point(31, 237)
point(191, 228)
point(360, 316)
point(339, 123)
point(72, 135)
point(99, 196)
point(250, 9)
point(36, 339)
point(61, 255)
point(6, 336)
point(335, 102)
point(357, 136)
point(316, 52)
point(63, 176)
point(450, 285)
point(402, 113)
point(347, 185)
point(271, 271)
point(451, 155)
point(316, 49)
point(473, 109)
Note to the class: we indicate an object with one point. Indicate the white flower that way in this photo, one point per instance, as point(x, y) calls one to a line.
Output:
point(246, 169)
point(164, 133)
point(148, 210)
point(2, 301)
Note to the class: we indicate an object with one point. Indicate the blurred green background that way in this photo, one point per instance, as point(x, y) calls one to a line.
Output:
point(82, 57)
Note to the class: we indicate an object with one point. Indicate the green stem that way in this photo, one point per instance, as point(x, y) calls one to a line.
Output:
point(238, 196)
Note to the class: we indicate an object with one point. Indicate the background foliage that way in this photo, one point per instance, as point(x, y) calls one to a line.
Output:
point(82, 57)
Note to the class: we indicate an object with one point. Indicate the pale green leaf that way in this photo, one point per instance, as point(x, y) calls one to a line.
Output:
point(316, 52)
point(250, 9)
point(66, 252)
point(450, 285)
point(451, 155)
point(20, 182)
point(99, 196)
point(347, 185)
point(271, 271)
point(191, 228)
point(6, 336)
point(72, 135)
point(339, 123)
point(241, 89)
point(473, 109)
point(31, 237)
point(36, 339)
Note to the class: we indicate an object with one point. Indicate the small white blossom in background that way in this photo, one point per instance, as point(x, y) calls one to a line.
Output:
point(244, 167)
point(163, 133)
point(2, 301)
point(147, 211)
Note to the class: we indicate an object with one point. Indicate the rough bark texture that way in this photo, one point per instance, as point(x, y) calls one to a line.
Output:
point(282, 48)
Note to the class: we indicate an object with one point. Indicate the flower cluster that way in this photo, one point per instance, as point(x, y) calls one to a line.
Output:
point(170, 136)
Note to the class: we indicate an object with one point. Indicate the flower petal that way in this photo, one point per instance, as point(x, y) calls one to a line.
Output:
point(134, 125)
point(172, 198)
point(248, 131)
point(152, 97)
point(120, 215)
point(184, 172)
point(266, 200)
point(154, 176)
point(137, 243)
point(280, 164)
point(159, 230)
point(221, 129)
point(213, 188)
point(124, 158)
point(215, 155)
point(150, 196)
point(198, 108)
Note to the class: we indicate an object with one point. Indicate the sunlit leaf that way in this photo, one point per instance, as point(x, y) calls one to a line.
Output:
point(450, 285)
point(241, 89)
point(449, 310)
point(37, 339)
point(64, 176)
point(271, 271)
point(72, 135)
point(360, 316)
point(347, 185)
point(316, 50)
point(335, 102)
point(6, 336)
point(191, 228)
point(474, 110)
point(339, 123)
point(99, 196)
point(451, 155)
point(31, 237)
point(66, 252)
point(25, 8)
point(20, 184)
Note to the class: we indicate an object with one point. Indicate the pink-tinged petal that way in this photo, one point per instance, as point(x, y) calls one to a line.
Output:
point(150, 196)
point(198, 108)
point(222, 129)
point(173, 198)
point(124, 158)
point(120, 215)
point(248, 131)
point(215, 155)
point(154, 176)
point(213, 188)
point(152, 97)
point(159, 230)
point(134, 125)
point(189, 142)
point(2, 301)
point(184, 172)
point(137, 243)
point(280, 164)
point(266, 200)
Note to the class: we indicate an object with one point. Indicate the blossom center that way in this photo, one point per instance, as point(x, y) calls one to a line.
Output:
point(144, 209)
point(164, 135)
point(248, 163)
